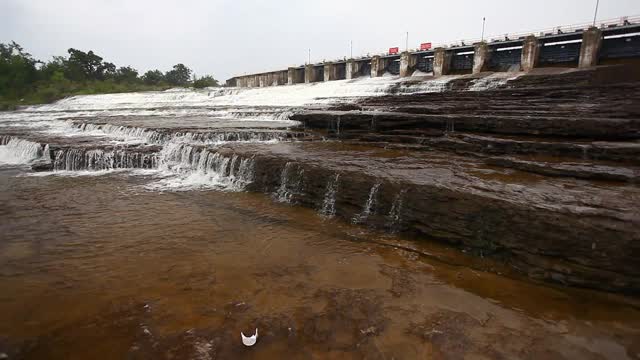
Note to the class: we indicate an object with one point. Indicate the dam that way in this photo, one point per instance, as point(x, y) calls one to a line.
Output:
point(572, 46)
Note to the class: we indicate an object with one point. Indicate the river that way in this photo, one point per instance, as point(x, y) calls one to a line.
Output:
point(140, 241)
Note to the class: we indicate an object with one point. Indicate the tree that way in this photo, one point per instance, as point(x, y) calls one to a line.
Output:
point(179, 76)
point(205, 81)
point(57, 65)
point(153, 77)
point(84, 66)
point(18, 71)
point(126, 74)
point(25, 80)
point(107, 70)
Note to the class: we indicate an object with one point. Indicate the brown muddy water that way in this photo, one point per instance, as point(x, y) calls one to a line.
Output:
point(98, 267)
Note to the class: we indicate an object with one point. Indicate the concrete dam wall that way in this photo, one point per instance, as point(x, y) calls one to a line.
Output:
point(575, 47)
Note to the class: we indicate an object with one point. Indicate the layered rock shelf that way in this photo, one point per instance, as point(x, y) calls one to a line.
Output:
point(560, 229)
point(540, 173)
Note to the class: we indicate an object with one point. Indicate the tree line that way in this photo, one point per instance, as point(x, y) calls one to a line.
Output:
point(25, 80)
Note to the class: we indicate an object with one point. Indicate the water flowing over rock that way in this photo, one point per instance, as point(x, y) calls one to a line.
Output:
point(18, 151)
point(128, 133)
point(529, 169)
point(329, 202)
point(98, 159)
point(394, 218)
point(229, 171)
point(369, 207)
point(291, 180)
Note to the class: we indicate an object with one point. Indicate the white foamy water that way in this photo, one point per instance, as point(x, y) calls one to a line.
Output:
point(494, 81)
point(187, 168)
point(17, 151)
point(279, 96)
point(120, 131)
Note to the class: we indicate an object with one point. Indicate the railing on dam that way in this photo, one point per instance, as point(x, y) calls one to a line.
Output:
point(580, 45)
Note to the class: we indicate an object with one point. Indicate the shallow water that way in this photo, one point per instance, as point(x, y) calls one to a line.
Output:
point(98, 267)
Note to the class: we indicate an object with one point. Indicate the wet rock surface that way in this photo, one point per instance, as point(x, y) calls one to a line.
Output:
point(366, 245)
point(527, 219)
point(540, 172)
point(553, 134)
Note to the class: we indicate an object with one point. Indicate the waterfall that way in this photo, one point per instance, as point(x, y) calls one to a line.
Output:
point(394, 218)
point(450, 125)
point(18, 151)
point(290, 183)
point(431, 86)
point(369, 207)
point(47, 154)
point(202, 166)
point(244, 175)
point(126, 133)
point(229, 136)
point(493, 81)
point(148, 136)
point(78, 159)
point(329, 203)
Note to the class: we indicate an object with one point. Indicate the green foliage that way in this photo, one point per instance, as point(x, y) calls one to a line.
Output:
point(153, 77)
point(17, 71)
point(205, 81)
point(179, 76)
point(127, 74)
point(24, 80)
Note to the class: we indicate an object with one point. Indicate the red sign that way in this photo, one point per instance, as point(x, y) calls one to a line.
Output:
point(425, 46)
point(393, 50)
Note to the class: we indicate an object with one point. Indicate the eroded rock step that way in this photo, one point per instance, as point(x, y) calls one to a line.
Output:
point(608, 101)
point(618, 153)
point(625, 152)
point(550, 165)
point(161, 135)
point(562, 168)
point(377, 121)
point(50, 153)
point(571, 231)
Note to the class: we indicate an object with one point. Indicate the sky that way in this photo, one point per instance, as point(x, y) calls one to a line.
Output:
point(224, 38)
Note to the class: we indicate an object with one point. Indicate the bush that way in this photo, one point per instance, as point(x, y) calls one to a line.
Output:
point(47, 94)
point(205, 81)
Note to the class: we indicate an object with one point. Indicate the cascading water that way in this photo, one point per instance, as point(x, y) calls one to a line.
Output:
point(125, 133)
point(157, 103)
point(290, 183)
point(136, 134)
point(200, 166)
point(493, 81)
point(176, 131)
point(450, 126)
point(78, 159)
point(369, 207)
point(15, 151)
point(329, 202)
point(394, 218)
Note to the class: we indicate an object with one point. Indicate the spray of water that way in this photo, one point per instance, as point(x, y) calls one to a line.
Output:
point(369, 207)
point(329, 202)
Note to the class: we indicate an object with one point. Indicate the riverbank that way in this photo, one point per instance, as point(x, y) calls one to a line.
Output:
point(50, 94)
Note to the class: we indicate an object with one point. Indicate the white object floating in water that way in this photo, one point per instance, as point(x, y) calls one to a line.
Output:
point(249, 341)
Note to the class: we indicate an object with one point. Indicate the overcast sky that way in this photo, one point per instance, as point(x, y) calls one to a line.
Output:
point(232, 37)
